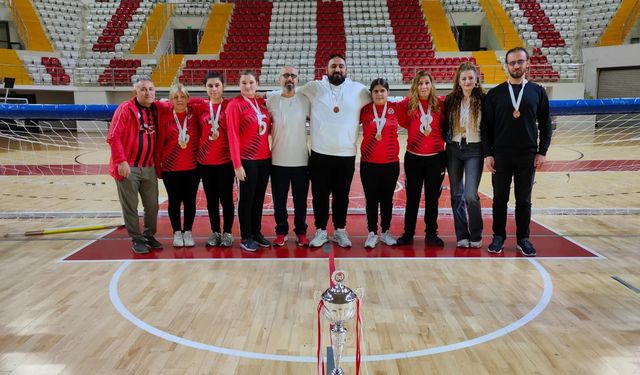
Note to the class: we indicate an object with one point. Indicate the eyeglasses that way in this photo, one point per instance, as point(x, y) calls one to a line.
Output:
point(289, 75)
point(516, 62)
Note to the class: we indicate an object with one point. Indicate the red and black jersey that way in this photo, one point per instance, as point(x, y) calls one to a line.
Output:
point(213, 152)
point(385, 150)
point(132, 136)
point(170, 155)
point(245, 140)
point(417, 142)
point(142, 153)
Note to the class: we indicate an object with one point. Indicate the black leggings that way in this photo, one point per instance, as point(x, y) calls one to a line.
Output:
point(252, 191)
point(217, 181)
point(379, 183)
point(419, 171)
point(182, 187)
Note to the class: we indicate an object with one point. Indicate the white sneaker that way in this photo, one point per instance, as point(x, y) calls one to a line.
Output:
point(387, 238)
point(372, 240)
point(463, 243)
point(188, 239)
point(341, 237)
point(475, 244)
point(319, 239)
point(178, 240)
point(214, 239)
point(226, 240)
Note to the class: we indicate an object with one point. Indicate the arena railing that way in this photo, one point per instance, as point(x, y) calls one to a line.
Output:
point(268, 75)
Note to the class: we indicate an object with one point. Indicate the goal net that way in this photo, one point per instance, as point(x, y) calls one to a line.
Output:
point(54, 166)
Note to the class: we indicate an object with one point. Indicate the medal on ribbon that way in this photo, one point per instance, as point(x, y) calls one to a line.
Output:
point(183, 137)
point(514, 102)
point(335, 97)
point(261, 117)
point(213, 120)
point(379, 121)
point(425, 120)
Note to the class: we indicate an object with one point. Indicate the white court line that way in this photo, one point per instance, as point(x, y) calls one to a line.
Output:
point(600, 256)
point(98, 237)
point(189, 260)
point(537, 310)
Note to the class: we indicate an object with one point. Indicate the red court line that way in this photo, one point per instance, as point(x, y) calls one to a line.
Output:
point(332, 265)
point(117, 246)
point(591, 166)
point(96, 169)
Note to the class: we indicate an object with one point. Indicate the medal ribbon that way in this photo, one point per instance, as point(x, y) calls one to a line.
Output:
point(380, 121)
point(465, 110)
point(183, 137)
point(335, 98)
point(425, 118)
point(262, 125)
point(214, 119)
point(516, 103)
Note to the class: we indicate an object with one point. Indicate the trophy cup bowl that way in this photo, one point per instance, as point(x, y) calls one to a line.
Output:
point(339, 304)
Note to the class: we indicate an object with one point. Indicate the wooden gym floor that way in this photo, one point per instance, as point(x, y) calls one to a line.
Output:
point(422, 312)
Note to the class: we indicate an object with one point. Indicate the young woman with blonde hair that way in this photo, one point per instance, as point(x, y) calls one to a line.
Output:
point(424, 161)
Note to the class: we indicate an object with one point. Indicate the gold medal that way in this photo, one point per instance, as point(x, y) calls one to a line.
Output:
point(379, 136)
point(516, 113)
point(336, 109)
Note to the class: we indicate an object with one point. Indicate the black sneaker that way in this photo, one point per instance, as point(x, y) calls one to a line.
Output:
point(433, 240)
point(152, 242)
point(405, 239)
point(526, 248)
point(249, 245)
point(496, 245)
point(261, 241)
point(139, 247)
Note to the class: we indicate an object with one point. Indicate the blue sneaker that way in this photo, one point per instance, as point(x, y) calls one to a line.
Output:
point(526, 248)
point(249, 245)
point(496, 245)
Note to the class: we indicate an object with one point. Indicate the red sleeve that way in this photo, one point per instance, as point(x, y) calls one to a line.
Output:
point(116, 132)
point(160, 135)
point(232, 117)
point(198, 104)
point(403, 108)
point(163, 107)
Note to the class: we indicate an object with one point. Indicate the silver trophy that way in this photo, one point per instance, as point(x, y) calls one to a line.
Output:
point(339, 307)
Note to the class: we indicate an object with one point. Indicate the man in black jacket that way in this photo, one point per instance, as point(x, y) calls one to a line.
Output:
point(514, 145)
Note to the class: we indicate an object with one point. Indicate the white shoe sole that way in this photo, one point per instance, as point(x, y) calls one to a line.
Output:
point(248, 249)
point(312, 244)
point(522, 252)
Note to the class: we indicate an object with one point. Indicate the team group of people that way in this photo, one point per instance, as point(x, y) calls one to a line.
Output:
point(507, 131)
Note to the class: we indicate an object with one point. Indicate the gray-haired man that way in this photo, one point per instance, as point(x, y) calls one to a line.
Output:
point(132, 135)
